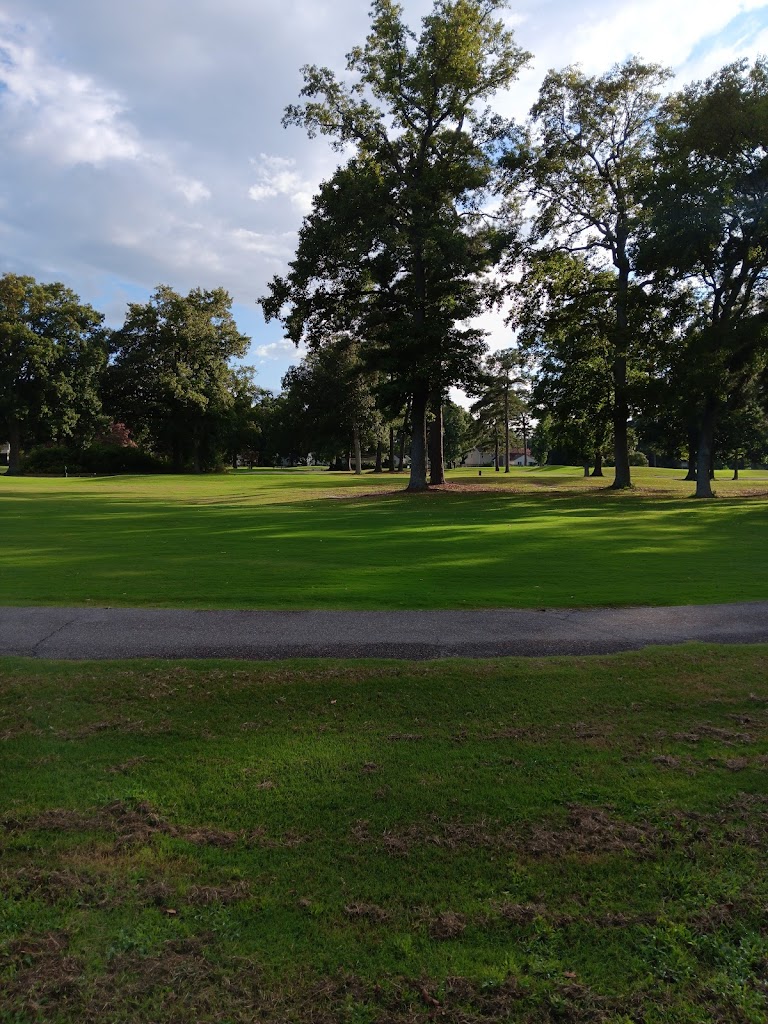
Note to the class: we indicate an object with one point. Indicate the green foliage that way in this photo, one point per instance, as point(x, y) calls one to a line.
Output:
point(708, 218)
point(97, 458)
point(396, 241)
point(52, 352)
point(329, 402)
point(170, 378)
point(457, 432)
point(585, 171)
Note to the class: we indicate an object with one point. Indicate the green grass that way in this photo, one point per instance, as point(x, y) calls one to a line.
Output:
point(570, 840)
point(292, 540)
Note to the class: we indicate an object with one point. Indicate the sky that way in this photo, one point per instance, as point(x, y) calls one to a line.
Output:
point(142, 141)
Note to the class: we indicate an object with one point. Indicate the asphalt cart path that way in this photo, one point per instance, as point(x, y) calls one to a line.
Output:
point(80, 633)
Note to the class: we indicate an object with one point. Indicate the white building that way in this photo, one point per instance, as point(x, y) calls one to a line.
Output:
point(517, 457)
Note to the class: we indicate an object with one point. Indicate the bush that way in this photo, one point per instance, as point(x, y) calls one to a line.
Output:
point(638, 459)
point(51, 459)
point(98, 459)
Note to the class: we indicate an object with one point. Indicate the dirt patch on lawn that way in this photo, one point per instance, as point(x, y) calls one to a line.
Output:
point(186, 982)
point(111, 888)
point(139, 824)
point(39, 973)
point(366, 912)
point(586, 831)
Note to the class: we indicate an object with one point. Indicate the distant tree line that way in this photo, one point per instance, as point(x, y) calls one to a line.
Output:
point(625, 227)
point(161, 392)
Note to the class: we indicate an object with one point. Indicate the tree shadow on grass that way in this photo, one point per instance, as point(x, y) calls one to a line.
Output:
point(460, 550)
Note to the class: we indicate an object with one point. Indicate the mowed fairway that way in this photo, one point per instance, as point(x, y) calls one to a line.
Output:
point(281, 539)
point(573, 840)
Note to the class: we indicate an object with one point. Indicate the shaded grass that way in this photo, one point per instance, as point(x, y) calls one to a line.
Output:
point(285, 540)
point(561, 839)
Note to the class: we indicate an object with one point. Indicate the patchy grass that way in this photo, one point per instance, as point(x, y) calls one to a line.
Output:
point(297, 540)
point(557, 840)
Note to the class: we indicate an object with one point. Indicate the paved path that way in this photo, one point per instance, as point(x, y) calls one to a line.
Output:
point(159, 633)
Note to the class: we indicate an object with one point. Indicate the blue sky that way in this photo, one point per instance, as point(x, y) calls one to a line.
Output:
point(142, 141)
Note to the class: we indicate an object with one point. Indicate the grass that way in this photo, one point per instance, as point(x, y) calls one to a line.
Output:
point(298, 539)
point(577, 840)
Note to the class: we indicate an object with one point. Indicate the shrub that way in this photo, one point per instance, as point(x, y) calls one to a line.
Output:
point(99, 459)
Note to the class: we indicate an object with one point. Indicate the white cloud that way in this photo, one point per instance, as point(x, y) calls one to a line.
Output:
point(278, 350)
point(65, 116)
point(71, 120)
point(658, 30)
point(193, 191)
point(255, 241)
point(717, 57)
point(277, 176)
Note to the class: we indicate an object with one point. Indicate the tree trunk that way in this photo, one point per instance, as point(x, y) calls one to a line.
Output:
point(506, 429)
point(525, 441)
point(391, 449)
point(736, 470)
point(623, 476)
point(436, 463)
point(496, 451)
point(403, 433)
point(586, 469)
point(14, 455)
point(379, 453)
point(693, 454)
point(598, 470)
point(358, 453)
point(418, 478)
point(704, 459)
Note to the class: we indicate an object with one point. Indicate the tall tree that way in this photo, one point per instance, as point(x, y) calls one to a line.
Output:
point(501, 393)
point(52, 352)
point(397, 241)
point(457, 433)
point(334, 409)
point(170, 376)
point(708, 229)
point(242, 431)
point(585, 172)
point(564, 312)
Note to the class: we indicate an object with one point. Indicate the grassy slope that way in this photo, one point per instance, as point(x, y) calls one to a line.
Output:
point(559, 840)
point(286, 540)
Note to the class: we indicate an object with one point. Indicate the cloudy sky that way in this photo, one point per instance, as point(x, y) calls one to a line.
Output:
point(142, 141)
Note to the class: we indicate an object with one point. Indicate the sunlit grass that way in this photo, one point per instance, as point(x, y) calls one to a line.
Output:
point(310, 539)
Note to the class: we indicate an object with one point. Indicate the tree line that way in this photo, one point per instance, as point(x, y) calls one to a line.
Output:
point(626, 227)
point(164, 392)
point(159, 392)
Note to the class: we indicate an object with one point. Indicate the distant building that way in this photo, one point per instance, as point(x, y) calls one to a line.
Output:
point(517, 457)
point(5, 453)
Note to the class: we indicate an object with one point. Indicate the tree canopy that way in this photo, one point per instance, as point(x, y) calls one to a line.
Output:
point(170, 376)
point(585, 170)
point(708, 231)
point(396, 244)
point(52, 351)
